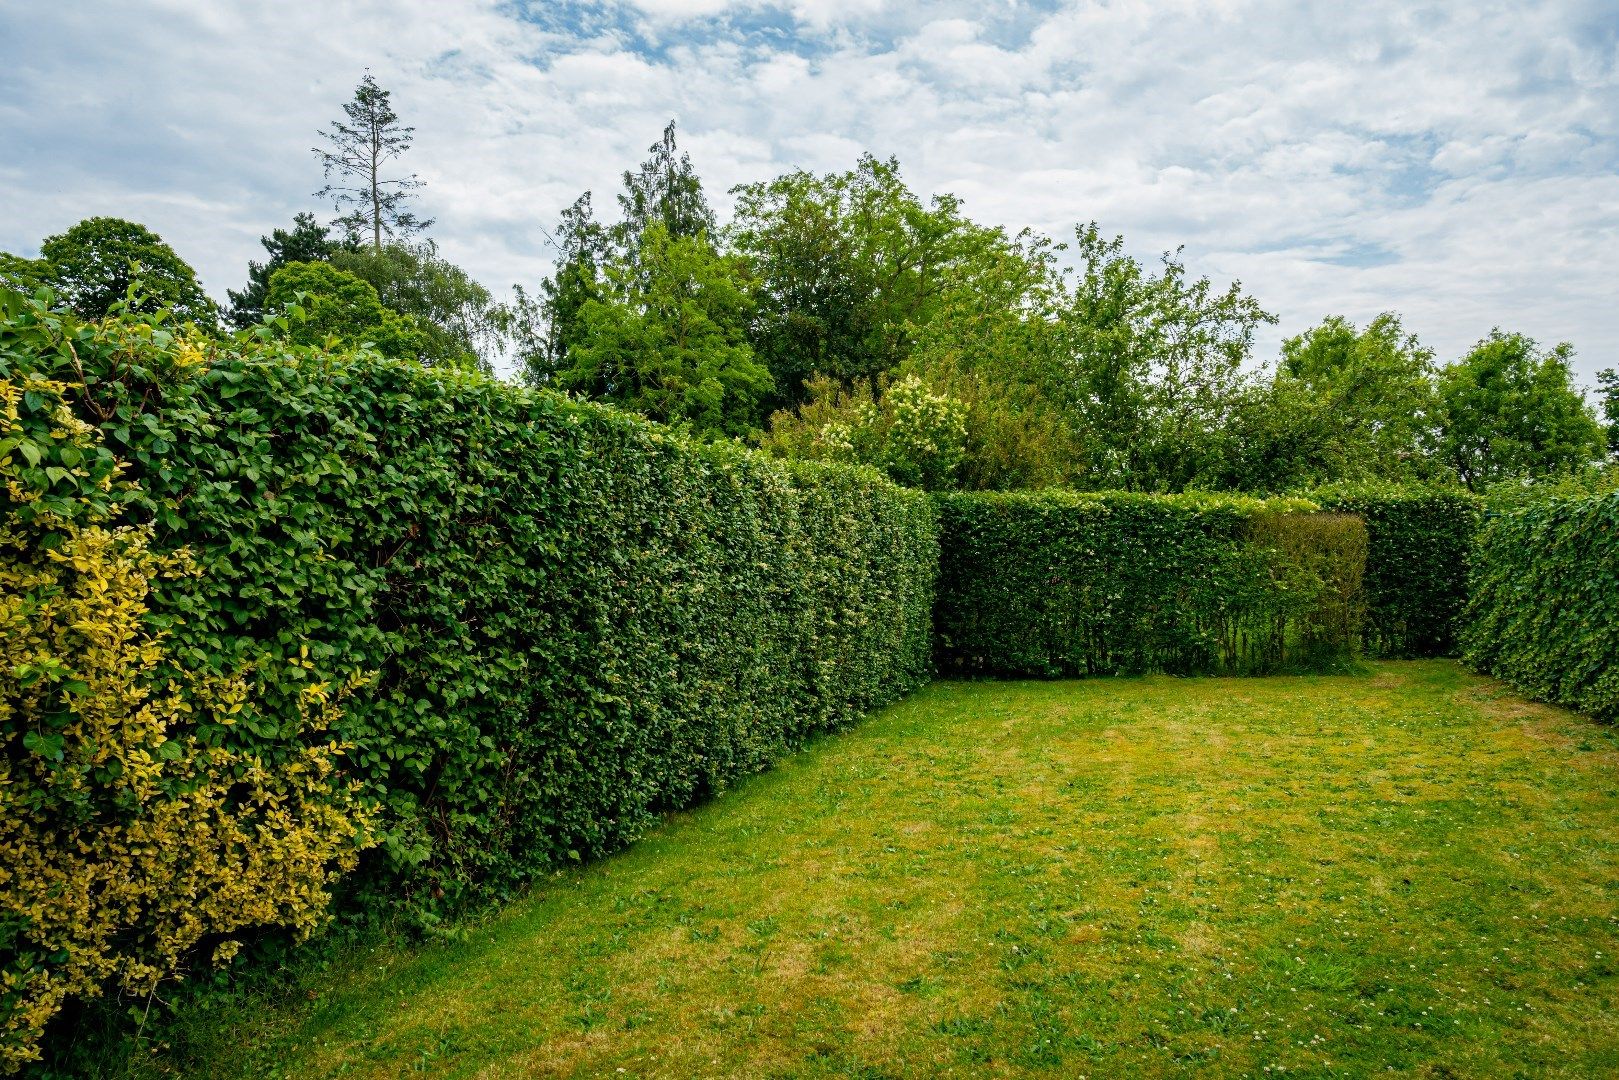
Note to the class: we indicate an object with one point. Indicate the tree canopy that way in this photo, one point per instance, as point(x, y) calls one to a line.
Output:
point(848, 265)
point(460, 323)
point(668, 338)
point(93, 265)
point(1511, 413)
point(845, 316)
point(340, 308)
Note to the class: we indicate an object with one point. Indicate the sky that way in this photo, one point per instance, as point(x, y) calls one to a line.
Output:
point(1457, 163)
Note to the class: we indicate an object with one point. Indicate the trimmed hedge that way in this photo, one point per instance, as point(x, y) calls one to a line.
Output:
point(566, 619)
point(1059, 583)
point(1416, 563)
point(1544, 607)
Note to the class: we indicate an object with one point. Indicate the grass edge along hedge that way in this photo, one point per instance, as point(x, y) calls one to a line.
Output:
point(554, 621)
point(1063, 583)
point(1543, 613)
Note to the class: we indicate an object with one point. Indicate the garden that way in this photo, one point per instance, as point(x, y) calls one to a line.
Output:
point(333, 683)
point(844, 640)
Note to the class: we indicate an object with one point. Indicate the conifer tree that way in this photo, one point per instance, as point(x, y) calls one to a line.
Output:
point(357, 157)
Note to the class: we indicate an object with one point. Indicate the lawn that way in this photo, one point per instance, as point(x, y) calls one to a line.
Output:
point(1410, 870)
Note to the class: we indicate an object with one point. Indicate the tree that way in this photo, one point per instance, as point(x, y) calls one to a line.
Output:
point(664, 190)
point(23, 275)
point(1511, 412)
point(1281, 436)
point(359, 152)
point(848, 264)
point(1608, 387)
point(94, 263)
point(459, 322)
point(1343, 404)
point(997, 344)
point(306, 241)
point(546, 326)
point(1157, 361)
point(337, 308)
point(667, 338)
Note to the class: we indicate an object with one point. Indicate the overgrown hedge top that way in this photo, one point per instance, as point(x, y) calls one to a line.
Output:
point(1060, 583)
point(1544, 606)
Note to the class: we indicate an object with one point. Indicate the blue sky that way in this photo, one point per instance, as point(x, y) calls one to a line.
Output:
point(1457, 163)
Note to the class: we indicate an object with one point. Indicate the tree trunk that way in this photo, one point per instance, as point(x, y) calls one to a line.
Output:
point(376, 207)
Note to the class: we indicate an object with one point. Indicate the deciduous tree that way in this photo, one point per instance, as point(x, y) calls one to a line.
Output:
point(93, 265)
point(337, 307)
point(848, 265)
point(459, 321)
point(667, 338)
point(1511, 412)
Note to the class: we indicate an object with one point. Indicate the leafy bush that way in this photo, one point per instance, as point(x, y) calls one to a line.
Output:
point(1069, 584)
point(569, 619)
point(915, 436)
point(1543, 612)
point(127, 837)
point(1416, 563)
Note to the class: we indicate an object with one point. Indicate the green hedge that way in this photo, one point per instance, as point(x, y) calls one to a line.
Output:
point(568, 619)
point(1416, 563)
point(1054, 584)
point(1543, 612)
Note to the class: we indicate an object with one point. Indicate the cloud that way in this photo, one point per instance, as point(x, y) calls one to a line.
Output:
point(1456, 163)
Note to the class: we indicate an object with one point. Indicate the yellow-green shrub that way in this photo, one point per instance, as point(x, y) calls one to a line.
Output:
point(125, 840)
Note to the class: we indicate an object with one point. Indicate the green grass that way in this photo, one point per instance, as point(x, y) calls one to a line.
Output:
point(1408, 871)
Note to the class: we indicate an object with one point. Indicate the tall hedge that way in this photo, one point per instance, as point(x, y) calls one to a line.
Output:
point(1416, 563)
point(1059, 583)
point(1543, 612)
point(127, 843)
point(556, 620)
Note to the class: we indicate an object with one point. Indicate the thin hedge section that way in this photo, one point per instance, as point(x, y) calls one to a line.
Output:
point(1544, 607)
point(1054, 584)
point(1416, 563)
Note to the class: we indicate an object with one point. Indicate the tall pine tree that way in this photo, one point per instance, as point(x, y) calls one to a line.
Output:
point(357, 156)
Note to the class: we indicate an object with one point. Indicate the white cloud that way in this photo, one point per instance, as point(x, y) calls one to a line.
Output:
point(1457, 163)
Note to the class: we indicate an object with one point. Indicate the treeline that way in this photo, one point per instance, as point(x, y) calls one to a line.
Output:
point(844, 317)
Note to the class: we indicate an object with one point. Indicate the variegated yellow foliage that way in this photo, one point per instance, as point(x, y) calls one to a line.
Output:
point(125, 841)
